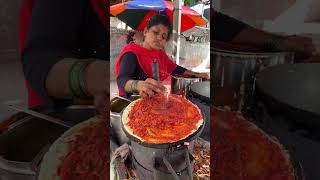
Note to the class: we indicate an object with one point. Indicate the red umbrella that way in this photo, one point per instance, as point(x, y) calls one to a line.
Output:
point(137, 13)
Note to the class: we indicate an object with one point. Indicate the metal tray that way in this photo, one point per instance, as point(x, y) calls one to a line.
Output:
point(25, 139)
point(23, 145)
point(117, 105)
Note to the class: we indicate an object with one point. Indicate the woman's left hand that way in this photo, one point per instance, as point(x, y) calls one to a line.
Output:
point(302, 46)
point(97, 84)
point(314, 59)
point(189, 73)
point(204, 76)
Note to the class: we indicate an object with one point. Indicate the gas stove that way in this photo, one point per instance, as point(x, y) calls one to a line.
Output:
point(171, 163)
point(304, 143)
point(146, 161)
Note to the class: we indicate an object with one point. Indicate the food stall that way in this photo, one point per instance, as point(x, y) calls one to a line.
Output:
point(184, 158)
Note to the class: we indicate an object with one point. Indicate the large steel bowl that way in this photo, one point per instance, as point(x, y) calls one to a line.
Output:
point(234, 74)
point(181, 85)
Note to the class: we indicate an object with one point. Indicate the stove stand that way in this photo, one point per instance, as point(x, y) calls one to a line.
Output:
point(174, 163)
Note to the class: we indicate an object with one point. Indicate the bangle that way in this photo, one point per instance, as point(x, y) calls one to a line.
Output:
point(134, 86)
point(76, 79)
point(83, 84)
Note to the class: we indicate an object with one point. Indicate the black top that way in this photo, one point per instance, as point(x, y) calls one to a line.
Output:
point(130, 69)
point(61, 29)
point(225, 28)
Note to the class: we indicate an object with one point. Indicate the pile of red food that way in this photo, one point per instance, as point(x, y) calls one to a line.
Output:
point(242, 151)
point(87, 157)
point(173, 118)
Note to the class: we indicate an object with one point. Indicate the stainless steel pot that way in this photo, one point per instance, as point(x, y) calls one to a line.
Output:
point(117, 104)
point(181, 85)
point(234, 72)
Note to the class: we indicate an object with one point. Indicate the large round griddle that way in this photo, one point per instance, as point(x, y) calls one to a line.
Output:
point(294, 86)
point(163, 145)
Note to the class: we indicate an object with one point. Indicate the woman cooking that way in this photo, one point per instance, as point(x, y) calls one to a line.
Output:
point(134, 66)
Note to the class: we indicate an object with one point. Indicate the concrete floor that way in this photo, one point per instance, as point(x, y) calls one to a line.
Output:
point(12, 87)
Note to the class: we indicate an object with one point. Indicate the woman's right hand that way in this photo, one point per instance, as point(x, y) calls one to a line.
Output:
point(97, 84)
point(149, 87)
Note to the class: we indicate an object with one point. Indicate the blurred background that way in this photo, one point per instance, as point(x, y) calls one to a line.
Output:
point(11, 76)
point(279, 16)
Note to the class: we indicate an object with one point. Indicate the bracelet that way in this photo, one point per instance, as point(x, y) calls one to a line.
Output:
point(83, 84)
point(134, 86)
point(76, 79)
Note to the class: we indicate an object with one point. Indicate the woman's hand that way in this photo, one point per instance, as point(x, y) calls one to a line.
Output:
point(314, 59)
point(97, 84)
point(102, 105)
point(149, 87)
point(204, 76)
point(302, 46)
point(189, 73)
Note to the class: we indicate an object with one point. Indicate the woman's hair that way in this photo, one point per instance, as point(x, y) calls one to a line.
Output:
point(130, 37)
point(160, 19)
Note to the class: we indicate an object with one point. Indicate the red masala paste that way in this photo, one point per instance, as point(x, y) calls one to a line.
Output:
point(165, 121)
point(87, 156)
point(244, 153)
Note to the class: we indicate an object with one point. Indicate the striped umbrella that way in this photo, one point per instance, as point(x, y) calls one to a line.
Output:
point(137, 13)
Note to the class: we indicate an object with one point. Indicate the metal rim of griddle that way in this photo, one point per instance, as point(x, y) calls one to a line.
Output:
point(198, 95)
point(191, 137)
point(185, 78)
point(297, 167)
point(293, 160)
point(235, 53)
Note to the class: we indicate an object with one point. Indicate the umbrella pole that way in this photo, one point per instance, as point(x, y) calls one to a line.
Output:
point(176, 29)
